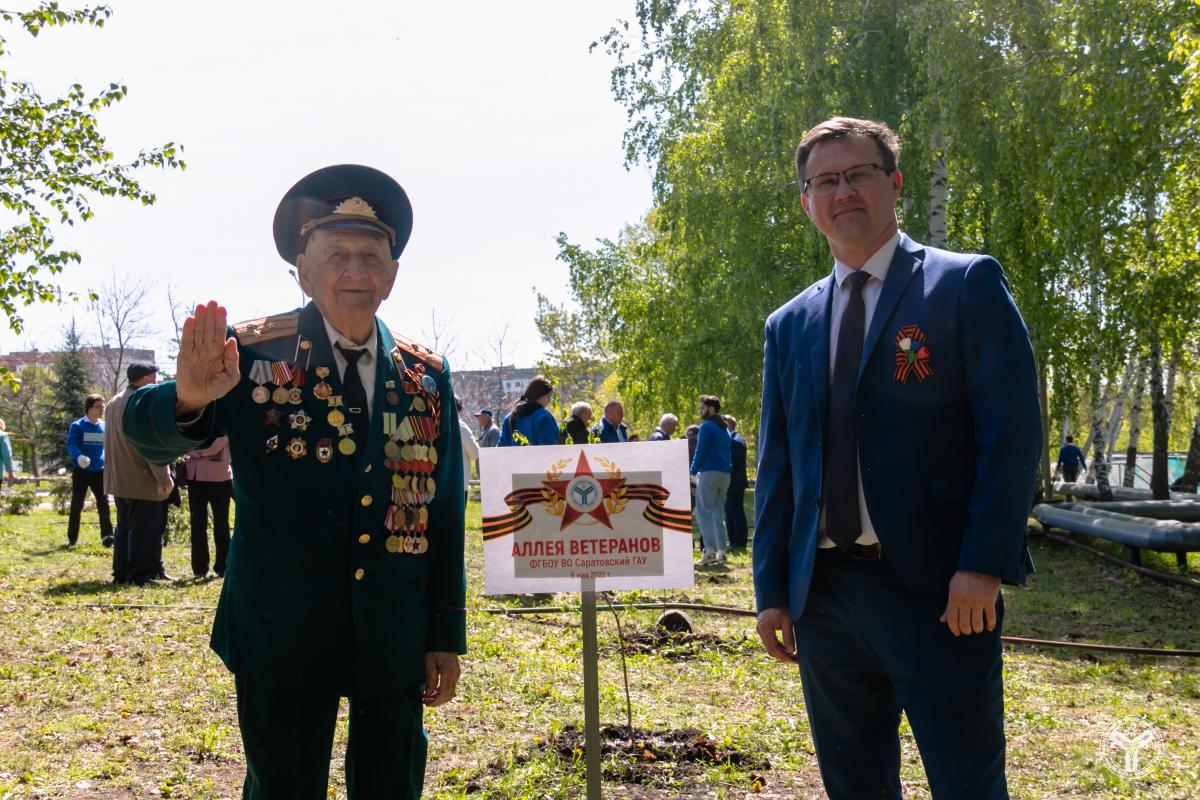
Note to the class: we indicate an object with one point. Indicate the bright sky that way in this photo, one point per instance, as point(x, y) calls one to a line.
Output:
point(494, 117)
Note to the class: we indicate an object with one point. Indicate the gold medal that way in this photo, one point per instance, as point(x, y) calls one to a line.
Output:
point(420, 545)
point(322, 391)
point(408, 544)
point(398, 481)
point(297, 448)
point(279, 396)
point(406, 452)
point(260, 394)
point(433, 455)
point(324, 451)
point(418, 402)
point(393, 398)
point(322, 372)
point(391, 449)
point(294, 397)
point(336, 418)
point(393, 544)
point(424, 516)
point(430, 485)
point(347, 447)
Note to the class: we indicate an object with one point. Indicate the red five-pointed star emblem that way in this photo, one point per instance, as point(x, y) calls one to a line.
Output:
point(584, 494)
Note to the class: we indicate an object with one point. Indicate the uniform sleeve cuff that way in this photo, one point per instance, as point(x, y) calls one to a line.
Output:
point(447, 631)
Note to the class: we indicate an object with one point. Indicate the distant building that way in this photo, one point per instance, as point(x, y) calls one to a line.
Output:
point(101, 364)
point(497, 388)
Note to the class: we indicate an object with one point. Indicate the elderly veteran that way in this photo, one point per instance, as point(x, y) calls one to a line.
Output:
point(345, 575)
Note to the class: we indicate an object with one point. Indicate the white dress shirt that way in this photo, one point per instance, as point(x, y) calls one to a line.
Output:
point(366, 362)
point(877, 267)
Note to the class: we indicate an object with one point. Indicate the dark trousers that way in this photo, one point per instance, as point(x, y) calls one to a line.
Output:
point(870, 648)
point(1070, 472)
point(201, 495)
point(137, 545)
point(288, 739)
point(735, 517)
point(81, 481)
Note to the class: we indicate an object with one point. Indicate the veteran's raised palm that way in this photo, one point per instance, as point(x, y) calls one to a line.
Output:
point(208, 360)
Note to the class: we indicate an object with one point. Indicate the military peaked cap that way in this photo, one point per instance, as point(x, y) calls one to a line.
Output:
point(342, 197)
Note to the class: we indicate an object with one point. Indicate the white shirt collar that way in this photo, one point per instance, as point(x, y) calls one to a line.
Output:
point(876, 266)
point(336, 338)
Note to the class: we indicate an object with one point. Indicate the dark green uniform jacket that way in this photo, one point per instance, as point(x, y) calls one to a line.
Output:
point(320, 595)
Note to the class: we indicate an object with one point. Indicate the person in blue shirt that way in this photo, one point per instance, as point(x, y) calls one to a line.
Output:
point(711, 466)
point(735, 501)
point(1070, 460)
point(85, 449)
point(530, 418)
point(611, 427)
point(6, 459)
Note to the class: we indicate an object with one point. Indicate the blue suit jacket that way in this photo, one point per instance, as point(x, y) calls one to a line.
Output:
point(948, 461)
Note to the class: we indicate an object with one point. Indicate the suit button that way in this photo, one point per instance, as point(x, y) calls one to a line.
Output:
point(358, 574)
point(367, 500)
point(366, 537)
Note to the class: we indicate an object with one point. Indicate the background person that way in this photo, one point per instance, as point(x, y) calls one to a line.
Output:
point(489, 432)
point(711, 466)
point(1071, 460)
point(85, 451)
point(210, 485)
point(6, 454)
point(140, 489)
point(530, 418)
point(667, 425)
point(611, 427)
point(735, 500)
point(470, 448)
point(576, 431)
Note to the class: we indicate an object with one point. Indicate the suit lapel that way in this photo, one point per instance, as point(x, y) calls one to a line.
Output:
point(906, 262)
point(817, 325)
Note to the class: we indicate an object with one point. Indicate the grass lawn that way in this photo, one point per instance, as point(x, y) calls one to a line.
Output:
point(113, 693)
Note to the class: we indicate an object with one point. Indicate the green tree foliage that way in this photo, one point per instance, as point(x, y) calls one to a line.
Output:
point(26, 411)
point(1068, 132)
point(69, 387)
point(54, 161)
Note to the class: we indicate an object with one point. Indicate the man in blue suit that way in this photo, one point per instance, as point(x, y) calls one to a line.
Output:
point(899, 439)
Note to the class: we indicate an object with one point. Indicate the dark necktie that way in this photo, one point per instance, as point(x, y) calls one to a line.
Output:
point(355, 396)
point(842, 522)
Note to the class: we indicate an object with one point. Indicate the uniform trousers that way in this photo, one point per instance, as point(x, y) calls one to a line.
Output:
point(735, 516)
point(869, 648)
point(288, 739)
point(201, 495)
point(137, 545)
point(81, 481)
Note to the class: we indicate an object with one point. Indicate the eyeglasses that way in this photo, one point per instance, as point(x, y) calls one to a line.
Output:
point(856, 177)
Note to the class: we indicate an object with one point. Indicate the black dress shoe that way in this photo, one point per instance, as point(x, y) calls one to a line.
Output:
point(107, 541)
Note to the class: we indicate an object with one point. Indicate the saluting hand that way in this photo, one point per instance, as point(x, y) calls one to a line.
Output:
point(207, 367)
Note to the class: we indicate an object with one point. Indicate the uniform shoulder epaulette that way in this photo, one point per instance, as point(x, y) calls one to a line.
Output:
point(265, 329)
point(418, 350)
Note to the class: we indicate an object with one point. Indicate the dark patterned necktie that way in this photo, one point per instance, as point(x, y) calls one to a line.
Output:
point(355, 396)
point(842, 522)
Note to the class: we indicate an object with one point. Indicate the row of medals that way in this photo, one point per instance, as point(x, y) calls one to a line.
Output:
point(410, 452)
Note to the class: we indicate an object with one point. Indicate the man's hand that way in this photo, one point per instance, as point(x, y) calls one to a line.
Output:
point(441, 676)
point(972, 603)
point(164, 489)
point(207, 367)
point(771, 621)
